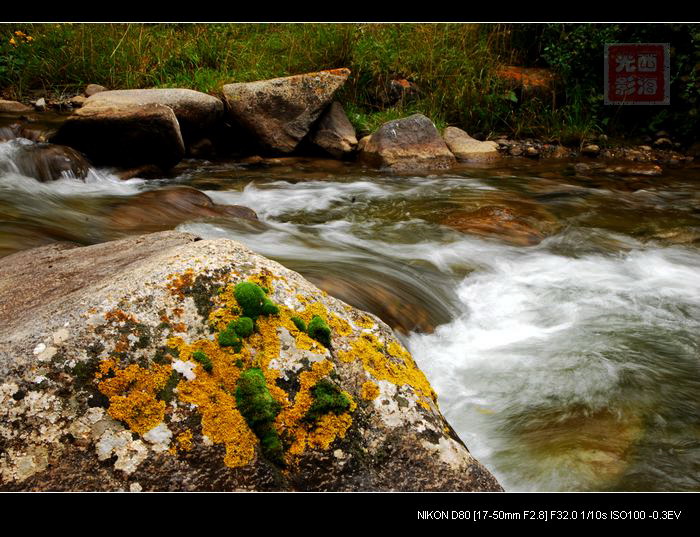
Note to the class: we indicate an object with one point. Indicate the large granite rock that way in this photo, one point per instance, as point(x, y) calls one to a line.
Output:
point(120, 370)
point(126, 135)
point(466, 148)
point(411, 143)
point(280, 112)
point(334, 133)
point(49, 162)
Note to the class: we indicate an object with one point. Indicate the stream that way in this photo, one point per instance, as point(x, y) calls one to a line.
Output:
point(565, 354)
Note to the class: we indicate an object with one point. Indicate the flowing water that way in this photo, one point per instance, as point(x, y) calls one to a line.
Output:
point(567, 364)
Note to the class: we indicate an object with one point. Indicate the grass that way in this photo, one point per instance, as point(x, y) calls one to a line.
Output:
point(452, 65)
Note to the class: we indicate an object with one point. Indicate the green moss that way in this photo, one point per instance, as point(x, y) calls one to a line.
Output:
point(269, 307)
point(167, 393)
point(299, 323)
point(203, 359)
point(243, 326)
point(229, 338)
point(250, 298)
point(327, 398)
point(259, 409)
point(320, 331)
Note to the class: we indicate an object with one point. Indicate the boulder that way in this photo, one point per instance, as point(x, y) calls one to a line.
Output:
point(166, 208)
point(92, 89)
point(466, 148)
point(196, 112)
point(128, 365)
point(49, 162)
point(124, 135)
point(12, 107)
point(334, 133)
point(411, 143)
point(281, 111)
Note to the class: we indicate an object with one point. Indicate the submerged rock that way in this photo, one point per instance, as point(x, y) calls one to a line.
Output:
point(334, 133)
point(13, 107)
point(281, 111)
point(126, 135)
point(130, 365)
point(49, 162)
point(166, 208)
point(466, 148)
point(411, 143)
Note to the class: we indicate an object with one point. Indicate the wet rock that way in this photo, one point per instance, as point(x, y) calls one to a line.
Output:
point(663, 143)
point(77, 101)
point(92, 89)
point(591, 150)
point(12, 107)
point(501, 222)
point(121, 332)
point(532, 151)
point(466, 148)
point(197, 113)
point(124, 135)
point(40, 105)
point(281, 111)
point(334, 133)
point(560, 151)
point(166, 208)
point(642, 168)
point(411, 143)
point(49, 162)
point(147, 171)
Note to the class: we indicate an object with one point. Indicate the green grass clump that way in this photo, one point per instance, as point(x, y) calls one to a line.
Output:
point(244, 326)
point(259, 409)
point(269, 307)
point(327, 398)
point(320, 331)
point(299, 323)
point(203, 359)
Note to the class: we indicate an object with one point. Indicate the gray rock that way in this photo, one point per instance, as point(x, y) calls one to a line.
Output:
point(124, 135)
point(281, 111)
point(196, 112)
point(40, 105)
point(49, 162)
point(334, 133)
point(411, 143)
point(466, 148)
point(92, 89)
point(99, 388)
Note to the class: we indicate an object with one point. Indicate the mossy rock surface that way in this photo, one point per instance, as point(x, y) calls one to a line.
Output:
point(277, 409)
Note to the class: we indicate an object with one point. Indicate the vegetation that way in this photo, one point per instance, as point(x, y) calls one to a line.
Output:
point(453, 67)
point(320, 331)
point(327, 398)
point(203, 359)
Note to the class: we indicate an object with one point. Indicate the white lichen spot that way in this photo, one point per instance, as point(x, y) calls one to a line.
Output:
point(39, 379)
point(206, 440)
point(60, 336)
point(135, 487)
point(159, 437)
point(20, 466)
point(186, 369)
point(450, 452)
point(47, 354)
point(41, 347)
point(130, 453)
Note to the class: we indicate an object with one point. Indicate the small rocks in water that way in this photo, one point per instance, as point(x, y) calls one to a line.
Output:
point(560, 152)
point(516, 151)
point(77, 101)
point(663, 142)
point(40, 105)
point(644, 148)
point(91, 89)
point(49, 162)
point(651, 170)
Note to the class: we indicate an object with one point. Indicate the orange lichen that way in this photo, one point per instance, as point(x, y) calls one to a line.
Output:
point(132, 394)
point(180, 282)
point(184, 441)
point(393, 364)
point(369, 391)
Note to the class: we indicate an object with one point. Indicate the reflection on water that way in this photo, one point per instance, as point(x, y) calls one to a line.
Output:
point(572, 363)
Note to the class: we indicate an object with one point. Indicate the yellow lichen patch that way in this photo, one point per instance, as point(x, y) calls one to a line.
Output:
point(264, 279)
point(227, 309)
point(265, 341)
point(221, 421)
point(369, 391)
point(365, 321)
point(327, 429)
point(184, 441)
point(132, 394)
point(398, 367)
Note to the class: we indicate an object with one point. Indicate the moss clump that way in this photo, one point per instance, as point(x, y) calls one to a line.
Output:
point(327, 398)
point(259, 409)
point(243, 326)
point(320, 331)
point(229, 338)
point(253, 300)
point(204, 360)
point(299, 323)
